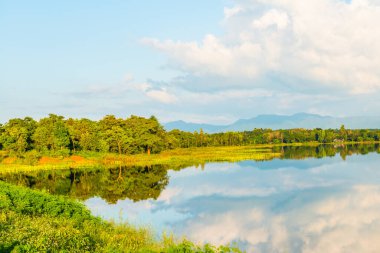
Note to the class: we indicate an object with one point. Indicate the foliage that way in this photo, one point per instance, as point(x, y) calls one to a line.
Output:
point(16, 135)
point(147, 134)
point(186, 246)
point(54, 135)
point(176, 158)
point(51, 134)
point(24, 201)
point(32, 221)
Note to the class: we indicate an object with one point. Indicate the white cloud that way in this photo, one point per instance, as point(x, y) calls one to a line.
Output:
point(332, 43)
point(230, 12)
point(274, 17)
point(205, 98)
point(129, 88)
point(212, 56)
point(162, 96)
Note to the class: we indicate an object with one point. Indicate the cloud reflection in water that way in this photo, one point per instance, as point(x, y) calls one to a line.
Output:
point(311, 205)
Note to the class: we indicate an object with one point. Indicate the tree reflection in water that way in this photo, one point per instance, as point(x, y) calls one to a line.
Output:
point(134, 183)
point(141, 183)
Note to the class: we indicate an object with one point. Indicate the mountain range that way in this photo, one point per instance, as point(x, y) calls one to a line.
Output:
point(299, 120)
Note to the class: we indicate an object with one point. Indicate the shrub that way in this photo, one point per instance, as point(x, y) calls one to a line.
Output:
point(32, 157)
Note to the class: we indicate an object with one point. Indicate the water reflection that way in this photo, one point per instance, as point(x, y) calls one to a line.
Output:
point(310, 205)
point(134, 183)
point(293, 204)
point(320, 151)
point(318, 220)
point(140, 183)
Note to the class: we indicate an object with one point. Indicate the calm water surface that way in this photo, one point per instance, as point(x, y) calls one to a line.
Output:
point(325, 204)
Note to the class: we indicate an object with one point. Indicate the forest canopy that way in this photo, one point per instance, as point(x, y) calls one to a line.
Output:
point(56, 135)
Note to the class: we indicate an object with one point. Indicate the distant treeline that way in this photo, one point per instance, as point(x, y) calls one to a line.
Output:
point(57, 135)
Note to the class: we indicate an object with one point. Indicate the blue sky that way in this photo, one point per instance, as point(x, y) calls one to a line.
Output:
point(202, 61)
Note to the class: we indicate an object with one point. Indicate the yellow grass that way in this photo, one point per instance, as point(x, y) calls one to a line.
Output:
point(176, 157)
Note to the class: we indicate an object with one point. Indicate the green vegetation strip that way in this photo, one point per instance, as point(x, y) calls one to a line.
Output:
point(176, 158)
point(56, 136)
point(33, 221)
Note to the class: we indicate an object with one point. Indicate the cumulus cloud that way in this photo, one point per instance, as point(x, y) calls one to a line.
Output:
point(126, 89)
point(162, 96)
point(230, 12)
point(274, 57)
point(328, 43)
point(159, 94)
point(211, 56)
point(276, 18)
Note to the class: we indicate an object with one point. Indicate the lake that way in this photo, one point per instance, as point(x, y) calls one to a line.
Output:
point(313, 199)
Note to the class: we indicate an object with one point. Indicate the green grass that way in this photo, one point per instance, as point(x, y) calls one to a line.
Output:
point(175, 158)
point(33, 221)
point(181, 157)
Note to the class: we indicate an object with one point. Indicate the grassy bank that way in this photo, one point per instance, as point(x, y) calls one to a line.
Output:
point(33, 221)
point(176, 157)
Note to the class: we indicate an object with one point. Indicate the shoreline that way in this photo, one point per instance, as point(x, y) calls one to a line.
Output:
point(176, 157)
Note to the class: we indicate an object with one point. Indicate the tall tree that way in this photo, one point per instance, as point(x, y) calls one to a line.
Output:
point(148, 134)
point(343, 133)
point(116, 134)
point(51, 134)
point(84, 135)
point(16, 134)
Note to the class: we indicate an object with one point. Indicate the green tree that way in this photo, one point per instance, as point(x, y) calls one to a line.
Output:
point(342, 133)
point(16, 135)
point(201, 137)
point(148, 135)
point(116, 134)
point(51, 134)
point(84, 135)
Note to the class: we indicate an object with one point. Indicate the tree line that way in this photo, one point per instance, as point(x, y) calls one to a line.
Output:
point(56, 135)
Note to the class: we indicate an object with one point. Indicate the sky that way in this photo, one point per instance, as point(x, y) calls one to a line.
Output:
point(199, 61)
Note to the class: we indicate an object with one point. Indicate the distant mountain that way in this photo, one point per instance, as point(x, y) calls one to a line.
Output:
point(191, 127)
point(299, 120)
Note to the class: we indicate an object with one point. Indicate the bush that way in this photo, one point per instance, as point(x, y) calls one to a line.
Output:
point(25, 201)
point(3, 154)
point(65, 152)
point(32, 157)
point(21, 233)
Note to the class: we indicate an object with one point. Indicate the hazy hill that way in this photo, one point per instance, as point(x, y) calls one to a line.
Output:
point(299, 120)
point(191, 127)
